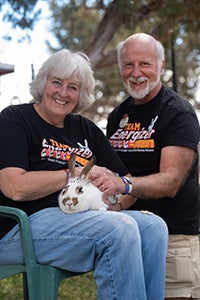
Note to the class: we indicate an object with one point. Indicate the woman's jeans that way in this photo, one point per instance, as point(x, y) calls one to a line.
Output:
point(126, 250)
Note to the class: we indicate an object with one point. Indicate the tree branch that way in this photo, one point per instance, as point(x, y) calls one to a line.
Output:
point(118, 12)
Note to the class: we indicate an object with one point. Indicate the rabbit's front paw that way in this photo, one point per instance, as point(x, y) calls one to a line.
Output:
point(102, 208)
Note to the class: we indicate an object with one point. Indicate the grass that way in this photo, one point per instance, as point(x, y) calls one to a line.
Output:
point(76, 288)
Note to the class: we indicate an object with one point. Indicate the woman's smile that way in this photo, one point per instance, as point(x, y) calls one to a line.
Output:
point(60, 102)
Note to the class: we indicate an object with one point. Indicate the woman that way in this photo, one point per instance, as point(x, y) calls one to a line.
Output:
point(38, 139)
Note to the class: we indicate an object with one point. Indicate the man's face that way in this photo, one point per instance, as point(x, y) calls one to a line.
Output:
point(140, 70)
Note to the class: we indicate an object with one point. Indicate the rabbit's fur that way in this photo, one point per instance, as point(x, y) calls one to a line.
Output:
point(80, 194)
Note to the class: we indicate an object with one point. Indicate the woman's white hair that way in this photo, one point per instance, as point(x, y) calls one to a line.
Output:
point(64, 64)
point(160, 52)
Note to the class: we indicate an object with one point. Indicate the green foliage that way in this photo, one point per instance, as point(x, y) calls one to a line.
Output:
point(72, 24)
point(20, 14)
point(177, 24)
point(76, 288)
point(97, 26)
point(174, 22)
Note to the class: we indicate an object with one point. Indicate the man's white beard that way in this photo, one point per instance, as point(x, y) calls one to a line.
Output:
point(144, 92)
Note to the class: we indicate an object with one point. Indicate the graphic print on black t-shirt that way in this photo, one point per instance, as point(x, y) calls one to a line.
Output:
point(32, 144)
point(133, 136)
point(54, 151)
point(139, 133)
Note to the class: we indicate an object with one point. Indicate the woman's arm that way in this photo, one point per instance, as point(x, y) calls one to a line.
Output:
point(19, 185)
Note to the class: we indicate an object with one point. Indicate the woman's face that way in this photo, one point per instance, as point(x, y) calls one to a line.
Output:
point(60, 96)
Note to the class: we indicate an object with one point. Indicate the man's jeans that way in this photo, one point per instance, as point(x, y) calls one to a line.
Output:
point(126, 250)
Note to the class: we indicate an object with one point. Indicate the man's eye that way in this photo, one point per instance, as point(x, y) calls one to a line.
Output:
point(145, 64)
point(128, 65)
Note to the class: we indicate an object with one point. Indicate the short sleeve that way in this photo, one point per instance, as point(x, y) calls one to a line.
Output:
point(183, 130)
point(14, 148)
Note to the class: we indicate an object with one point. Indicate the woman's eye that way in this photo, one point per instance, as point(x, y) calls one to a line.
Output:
point(72, 87)
point(56, 82)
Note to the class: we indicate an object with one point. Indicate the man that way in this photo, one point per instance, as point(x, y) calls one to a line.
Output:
point(156, 134)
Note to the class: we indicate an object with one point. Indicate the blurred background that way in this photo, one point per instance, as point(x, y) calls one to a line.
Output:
point(31, 30)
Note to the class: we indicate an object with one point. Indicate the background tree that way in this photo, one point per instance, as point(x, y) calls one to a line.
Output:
point(96, 26)
point(20, 14)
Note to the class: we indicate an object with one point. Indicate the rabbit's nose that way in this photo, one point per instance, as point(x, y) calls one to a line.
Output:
point(67, 201)
point(70, 202)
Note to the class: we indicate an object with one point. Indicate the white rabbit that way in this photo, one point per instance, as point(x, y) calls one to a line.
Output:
point(80, 194)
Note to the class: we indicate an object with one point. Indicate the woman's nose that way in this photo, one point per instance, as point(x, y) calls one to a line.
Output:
point(63, 91)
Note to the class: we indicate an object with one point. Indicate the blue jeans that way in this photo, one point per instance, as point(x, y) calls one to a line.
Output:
point(126, 250)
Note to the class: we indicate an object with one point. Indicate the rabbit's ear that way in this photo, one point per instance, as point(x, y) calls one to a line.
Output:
point(85, 171)
point(71, 165)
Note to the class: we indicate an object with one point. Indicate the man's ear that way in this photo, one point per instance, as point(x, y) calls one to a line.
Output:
point(162, 67)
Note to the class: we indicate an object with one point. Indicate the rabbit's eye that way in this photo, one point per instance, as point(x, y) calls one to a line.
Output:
point(64, 190)
point(79, 190)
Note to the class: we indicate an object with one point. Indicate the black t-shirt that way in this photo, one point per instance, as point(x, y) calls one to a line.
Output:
point(30, 143)
point(139, 132)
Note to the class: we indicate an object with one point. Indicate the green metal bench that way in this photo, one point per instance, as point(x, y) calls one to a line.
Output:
point(40, 282)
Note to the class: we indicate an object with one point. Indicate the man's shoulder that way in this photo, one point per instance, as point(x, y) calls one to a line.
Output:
point(175, 100)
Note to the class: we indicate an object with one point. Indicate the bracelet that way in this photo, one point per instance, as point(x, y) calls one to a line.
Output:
point(128, 185)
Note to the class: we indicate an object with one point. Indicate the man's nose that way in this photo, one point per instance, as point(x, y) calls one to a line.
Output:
point(136, 71)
